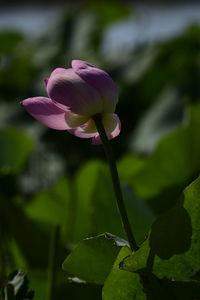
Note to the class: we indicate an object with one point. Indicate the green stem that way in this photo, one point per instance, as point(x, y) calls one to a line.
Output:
point(52, 263)
point(115, 179)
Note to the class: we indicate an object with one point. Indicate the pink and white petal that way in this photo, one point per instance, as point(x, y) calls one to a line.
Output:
point(87, 130)
point(74, 120)
point(111, 124)
point(90, 127)
point(116, 131)
point(99, 80)
point(71, 90)
point(79, 132)
point(46, 112)
point(112, 127)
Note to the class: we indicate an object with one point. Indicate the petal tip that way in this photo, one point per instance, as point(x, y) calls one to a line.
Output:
point(80, 64)
point(46, 81)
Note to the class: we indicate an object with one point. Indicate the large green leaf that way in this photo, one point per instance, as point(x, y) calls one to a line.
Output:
point(16, 146)
point(176, 226)
point(180, 261)
point(93, 258)
point(122, 285)
point(172, 166)
point(96, 205)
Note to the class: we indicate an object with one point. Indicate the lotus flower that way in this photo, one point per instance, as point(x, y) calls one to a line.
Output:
point(75, 95)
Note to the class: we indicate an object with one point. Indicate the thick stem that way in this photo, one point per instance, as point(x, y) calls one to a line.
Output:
point(52, 263)
point(115, 179)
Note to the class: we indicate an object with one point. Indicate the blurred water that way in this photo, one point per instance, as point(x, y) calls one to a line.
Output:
point(151, 23)
point(147, 24)
point(31, 20)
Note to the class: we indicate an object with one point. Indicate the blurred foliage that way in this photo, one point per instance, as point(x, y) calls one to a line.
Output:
point(157, 154)
point(17, 287)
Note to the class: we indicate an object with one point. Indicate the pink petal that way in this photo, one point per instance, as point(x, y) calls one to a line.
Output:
point(72, 91)
point(46, 112)
point(46, 82)
point(56, 71)
point(99, 80)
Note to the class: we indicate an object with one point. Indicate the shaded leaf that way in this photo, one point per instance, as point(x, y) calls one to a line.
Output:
point(93, 258)
point(179, 266)
point(165, 289)
point(96, 205)
point(171, 233)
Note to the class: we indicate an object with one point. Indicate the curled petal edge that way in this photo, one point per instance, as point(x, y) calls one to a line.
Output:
point(46, 112)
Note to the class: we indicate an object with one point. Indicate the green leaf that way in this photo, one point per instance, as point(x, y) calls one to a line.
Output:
point(122, 285)
point(179, 266)
point(129, 165)
point(165, 289)
point(172, 166)
point(16, 146)
point(53, 207)
point(93, 258)
point(96, 205)
point(171, 233)
point(86, 180)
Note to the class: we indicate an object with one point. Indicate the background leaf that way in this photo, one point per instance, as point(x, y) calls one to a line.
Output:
point(16, 146)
